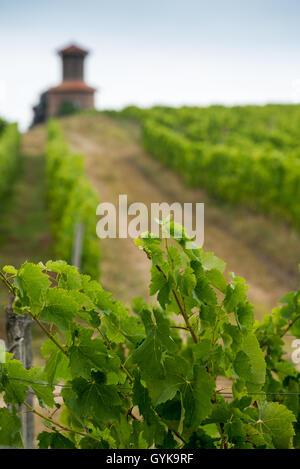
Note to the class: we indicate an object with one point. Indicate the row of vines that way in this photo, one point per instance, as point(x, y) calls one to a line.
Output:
point(149, 376)
point(9, 155)
point(72, 201)
point(243, 155)
point(194, 369)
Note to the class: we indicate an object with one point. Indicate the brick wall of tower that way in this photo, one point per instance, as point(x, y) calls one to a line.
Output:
point(83, 100)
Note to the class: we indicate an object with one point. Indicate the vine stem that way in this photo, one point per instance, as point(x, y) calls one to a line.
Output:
point(179, 327)
point(6, 282)
point(181, 309)
point(123, 367)
point(48, 334)
point(289, 326)
point(185, 317)
point(224, 444)
point(176, 433)
point(62, 427)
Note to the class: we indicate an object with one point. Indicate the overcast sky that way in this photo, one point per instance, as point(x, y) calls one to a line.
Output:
point(152, 51)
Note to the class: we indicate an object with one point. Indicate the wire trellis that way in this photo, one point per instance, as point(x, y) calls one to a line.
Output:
point(223, 393)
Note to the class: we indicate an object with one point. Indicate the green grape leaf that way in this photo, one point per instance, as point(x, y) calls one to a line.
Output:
point(87, 354)
point(174, 257)
point(150, 352)
point(153, 429)
point(235, 294)
point(9, 269)
point(54, 440)
point(210, 261)
point(43, 392)
point(176, 372)
point(95, 400)
point(187, 281)
point(217, 279)
point(10, 427)
point(276, 421)
point(60, 308)
point(197, 398)
point(204, 292)
point(245, 316)
point(257, 360)
point(159, 283)
point(57, 365)
point(33, 285)
point(242, 365)
point(14, 382)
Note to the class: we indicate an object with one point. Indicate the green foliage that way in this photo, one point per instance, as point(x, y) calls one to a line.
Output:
point(10, 427)
point(67, 108)
point(9, 156)
point(3, 125)
point(150, 376)
point(243, 155)
point(72, 201)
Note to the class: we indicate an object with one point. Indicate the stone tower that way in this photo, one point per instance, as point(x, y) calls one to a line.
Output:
point(72, 61)
point(72, 93)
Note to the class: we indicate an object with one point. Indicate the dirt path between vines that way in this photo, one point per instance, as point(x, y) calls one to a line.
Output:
point(117, 164)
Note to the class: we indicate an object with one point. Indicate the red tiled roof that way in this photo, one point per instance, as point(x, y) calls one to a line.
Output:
point(71, 86)
point(72, 49)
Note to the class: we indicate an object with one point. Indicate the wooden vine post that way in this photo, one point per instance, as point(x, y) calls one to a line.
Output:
point(18, 342)
point(77, 245)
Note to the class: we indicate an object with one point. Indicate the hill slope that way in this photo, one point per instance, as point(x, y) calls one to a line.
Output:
point(263, 252)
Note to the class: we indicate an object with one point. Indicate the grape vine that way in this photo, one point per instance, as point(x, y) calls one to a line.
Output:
point(149, 376)
point(243, 155)
point(72, 200)
point(9, 155)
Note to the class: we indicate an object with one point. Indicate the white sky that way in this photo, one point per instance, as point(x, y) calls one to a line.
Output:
point(149, 52)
